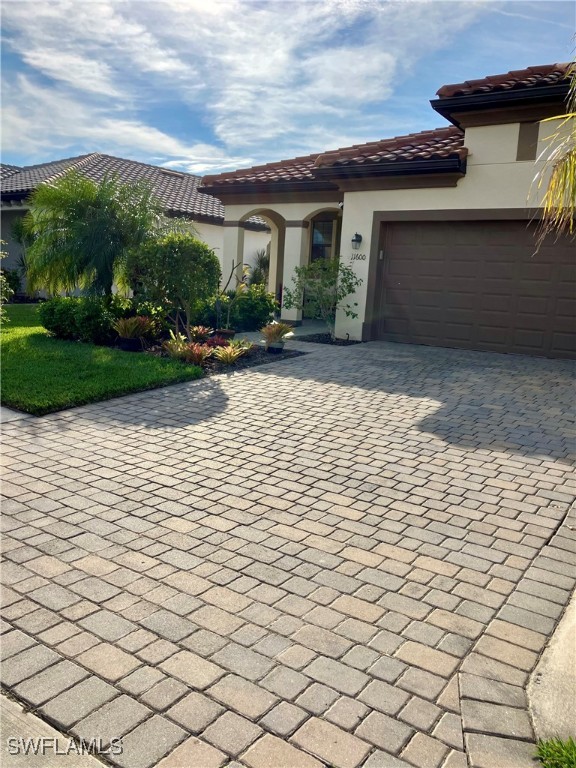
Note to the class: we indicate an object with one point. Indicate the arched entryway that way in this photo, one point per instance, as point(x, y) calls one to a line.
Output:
point(277, 225)
point(324, 228)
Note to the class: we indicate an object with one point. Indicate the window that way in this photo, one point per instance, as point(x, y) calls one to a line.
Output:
point(322, 232)
point(527, 141)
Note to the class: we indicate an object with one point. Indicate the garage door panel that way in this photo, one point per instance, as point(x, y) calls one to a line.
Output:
point(531, 305)
point(532, 290)
point(432, 268)
point(498, 270)
point(564, 324)
point(489, 287)
point(458, 331)
point(423, 283)
point(566, 292)
point(470, 268)
point(462, 300)
point(492, 319)
point(457, 285)
point(476, 285)
point(536, 272)
point(495, 302)
point(529, 339)
point(565, 307)
point(492, 334)
point(565, 343)
point(426, 298)
point(426, 328)
point(459, 316)
point(566, 273)
point(427, 313)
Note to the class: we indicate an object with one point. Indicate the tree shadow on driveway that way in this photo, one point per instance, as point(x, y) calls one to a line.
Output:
point(492, 401)
point(175, 406)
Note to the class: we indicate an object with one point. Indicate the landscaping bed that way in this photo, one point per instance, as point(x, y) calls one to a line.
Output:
point(256, 356)
point(325, 338)
point(41, 375)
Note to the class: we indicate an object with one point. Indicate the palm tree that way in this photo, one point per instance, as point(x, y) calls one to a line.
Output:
point(261, 268)
point(81, 231)
point(559, 201)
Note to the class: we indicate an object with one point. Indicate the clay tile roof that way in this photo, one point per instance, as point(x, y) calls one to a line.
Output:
point(297, 169)
point(427, 145)
point(531, 77)
point(7, 170)
point(178, 192)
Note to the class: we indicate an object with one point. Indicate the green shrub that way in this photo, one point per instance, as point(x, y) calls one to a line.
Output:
point(324, 287)
point(79, 318)
point(154, 312)
point(94, 321)
point(206, 312)
point(177, 271)
point(253, 309)
point(13, 280)
point(121, 306)
point(58, 316)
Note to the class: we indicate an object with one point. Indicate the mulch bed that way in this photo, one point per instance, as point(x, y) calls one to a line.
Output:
point(325, 338)
point(256, 356)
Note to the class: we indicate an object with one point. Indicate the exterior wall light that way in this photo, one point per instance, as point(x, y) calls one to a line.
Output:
point(356, 240)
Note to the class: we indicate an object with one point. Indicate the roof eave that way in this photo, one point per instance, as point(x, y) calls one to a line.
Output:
point(252, 188)
point(454, 164)
point(499, 99)
point(17, 195)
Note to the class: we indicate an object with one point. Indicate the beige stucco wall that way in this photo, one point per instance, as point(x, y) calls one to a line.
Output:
point(254, 241)
point(10, 246)
point(213, 235)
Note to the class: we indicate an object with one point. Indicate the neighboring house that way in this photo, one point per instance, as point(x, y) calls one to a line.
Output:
point(446, 219)
point(178, 193)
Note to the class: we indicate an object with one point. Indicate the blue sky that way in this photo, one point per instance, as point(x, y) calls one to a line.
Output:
point(212, 85)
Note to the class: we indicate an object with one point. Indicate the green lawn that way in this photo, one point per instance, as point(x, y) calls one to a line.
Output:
point(557, 753)
point(41, 375)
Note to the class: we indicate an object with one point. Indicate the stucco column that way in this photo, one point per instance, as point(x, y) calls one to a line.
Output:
point(232, 251)
point(275, 275)
point(296, 248)
point(357, 218)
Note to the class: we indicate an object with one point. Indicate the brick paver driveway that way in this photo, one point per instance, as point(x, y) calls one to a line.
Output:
point(334, 560)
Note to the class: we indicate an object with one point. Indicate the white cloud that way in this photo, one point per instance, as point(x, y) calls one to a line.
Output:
point(214, 85)
point(66, 122)
point(80, 73)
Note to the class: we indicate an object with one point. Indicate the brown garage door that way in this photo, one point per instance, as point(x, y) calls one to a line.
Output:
point(476, 285)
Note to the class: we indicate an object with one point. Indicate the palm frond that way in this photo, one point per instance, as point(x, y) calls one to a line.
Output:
point(558, 172)
point(81, 231)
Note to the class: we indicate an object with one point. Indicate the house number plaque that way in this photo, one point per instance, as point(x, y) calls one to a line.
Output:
point(358, 257)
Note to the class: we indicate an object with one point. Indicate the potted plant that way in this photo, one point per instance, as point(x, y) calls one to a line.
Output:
point(275, 334)
point(131, 332)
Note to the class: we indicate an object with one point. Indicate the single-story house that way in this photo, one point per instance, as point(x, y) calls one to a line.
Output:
point(439, 225)
point(178, 193)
